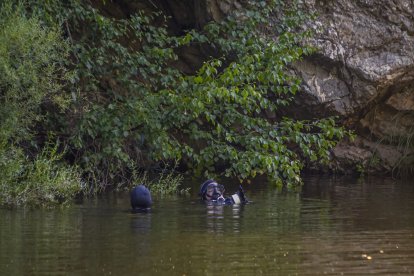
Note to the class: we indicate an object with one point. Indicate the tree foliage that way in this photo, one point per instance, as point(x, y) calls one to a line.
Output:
point(132, 107)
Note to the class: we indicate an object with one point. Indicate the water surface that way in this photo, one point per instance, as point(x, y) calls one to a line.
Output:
point(334, 226)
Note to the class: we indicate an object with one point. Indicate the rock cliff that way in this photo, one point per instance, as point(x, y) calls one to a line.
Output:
point(363, 72)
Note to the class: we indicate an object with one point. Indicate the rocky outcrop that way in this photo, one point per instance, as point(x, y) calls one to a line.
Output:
point(364, 72)
point(366, 54)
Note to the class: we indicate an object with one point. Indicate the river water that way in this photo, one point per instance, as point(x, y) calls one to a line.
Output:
point(334, 226)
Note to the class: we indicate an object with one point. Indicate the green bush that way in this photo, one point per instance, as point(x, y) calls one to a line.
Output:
point(44, 181)
point(31, 74)
point(165, 183)
point(31, 71)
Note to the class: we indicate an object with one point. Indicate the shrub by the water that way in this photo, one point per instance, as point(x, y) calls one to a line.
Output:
point(42, 181)
point(31, 74)
point(167, 183)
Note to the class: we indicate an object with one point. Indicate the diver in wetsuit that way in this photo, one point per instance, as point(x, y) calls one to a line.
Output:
point(211, 191)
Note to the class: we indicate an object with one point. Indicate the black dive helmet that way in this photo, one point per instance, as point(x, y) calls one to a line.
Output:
point(140, 198)
point(211, 189)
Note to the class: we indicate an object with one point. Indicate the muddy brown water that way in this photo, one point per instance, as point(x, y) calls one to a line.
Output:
point(334, 226)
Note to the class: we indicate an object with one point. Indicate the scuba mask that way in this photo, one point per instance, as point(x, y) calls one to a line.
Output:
point(214, 191)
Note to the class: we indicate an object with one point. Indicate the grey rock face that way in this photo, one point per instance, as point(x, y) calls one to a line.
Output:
point(366, 54)
point(364, 70)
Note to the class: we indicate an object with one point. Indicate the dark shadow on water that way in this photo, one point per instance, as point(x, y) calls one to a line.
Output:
point(140, 210)
point(141, 222)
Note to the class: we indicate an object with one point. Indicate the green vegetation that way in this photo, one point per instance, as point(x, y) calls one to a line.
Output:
point(166, 183)
point(44, 181)
point(131, 108)
point(31, 70)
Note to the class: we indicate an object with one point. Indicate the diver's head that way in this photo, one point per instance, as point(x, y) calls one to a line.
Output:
point(211, 190)
point(140, 197)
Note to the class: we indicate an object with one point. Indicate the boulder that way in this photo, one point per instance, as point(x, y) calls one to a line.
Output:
point(363, 73)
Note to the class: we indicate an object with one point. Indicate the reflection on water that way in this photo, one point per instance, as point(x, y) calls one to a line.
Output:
point(141, 222)
point(216, 215)
point(214, 218)
point(334, 226)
